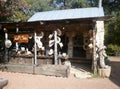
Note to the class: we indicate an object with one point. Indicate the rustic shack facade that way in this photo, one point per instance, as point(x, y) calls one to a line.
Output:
point(77, 33)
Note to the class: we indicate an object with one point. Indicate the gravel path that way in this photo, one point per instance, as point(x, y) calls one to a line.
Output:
point(29, 81)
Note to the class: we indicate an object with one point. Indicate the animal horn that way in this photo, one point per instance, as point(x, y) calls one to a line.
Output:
point(51, 43)
point(50, 36)
point(42, 34)
point(58, 40)
point(61, 44)
point(59, 32)
point(50, 52)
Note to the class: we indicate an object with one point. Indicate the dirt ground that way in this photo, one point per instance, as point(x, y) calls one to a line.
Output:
point(29, 81)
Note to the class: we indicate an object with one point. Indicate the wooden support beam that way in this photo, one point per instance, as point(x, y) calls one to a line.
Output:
point(94, 63)
point(6, 50)
point(16, 44)
point(55, 48)
point(35, 49)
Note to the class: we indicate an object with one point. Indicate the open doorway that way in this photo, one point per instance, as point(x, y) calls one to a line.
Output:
point(78, 50)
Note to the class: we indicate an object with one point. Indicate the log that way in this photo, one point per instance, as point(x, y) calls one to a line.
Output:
point(19, 68)
point(49, 70)
point(53, 70)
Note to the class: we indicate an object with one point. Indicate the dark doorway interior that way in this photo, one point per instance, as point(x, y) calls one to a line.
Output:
point(78, 50)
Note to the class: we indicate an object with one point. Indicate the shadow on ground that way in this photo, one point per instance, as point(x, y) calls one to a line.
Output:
point(80, 70)
point(115, 72)
point(82, 67)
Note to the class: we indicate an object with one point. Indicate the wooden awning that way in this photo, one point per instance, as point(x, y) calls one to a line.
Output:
point(44, 25)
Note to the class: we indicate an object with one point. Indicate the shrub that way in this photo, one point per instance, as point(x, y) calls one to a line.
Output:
point(113, 50)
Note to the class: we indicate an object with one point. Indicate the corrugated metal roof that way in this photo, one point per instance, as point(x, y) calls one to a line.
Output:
point(68, 14)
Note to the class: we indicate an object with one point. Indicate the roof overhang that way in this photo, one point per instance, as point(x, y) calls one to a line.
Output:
point(53, 22)
point(77, 13)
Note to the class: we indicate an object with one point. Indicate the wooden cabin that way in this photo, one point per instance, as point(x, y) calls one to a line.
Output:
point(80, 29)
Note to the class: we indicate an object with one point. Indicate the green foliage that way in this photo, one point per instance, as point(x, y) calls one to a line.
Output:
point(14, 10)
point(80, 4)
point(113, 31)
point(38, 5)
point(67, 4)
point(113, 50)
point(18, 16)
point(4, 11)
point(112, 37)
point(112, 27)
point(111, 6)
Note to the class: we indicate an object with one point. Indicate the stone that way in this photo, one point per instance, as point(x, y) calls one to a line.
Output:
point(3, 82)
point(104, 72)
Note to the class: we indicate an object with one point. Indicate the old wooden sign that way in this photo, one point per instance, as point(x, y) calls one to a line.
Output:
point(21, 38)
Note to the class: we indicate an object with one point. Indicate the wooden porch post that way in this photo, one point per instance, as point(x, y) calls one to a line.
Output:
point(35, 50)
point(70, 36)
point(55, 49)
point(6, 50)
point(16, 44)
point(94, 61)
